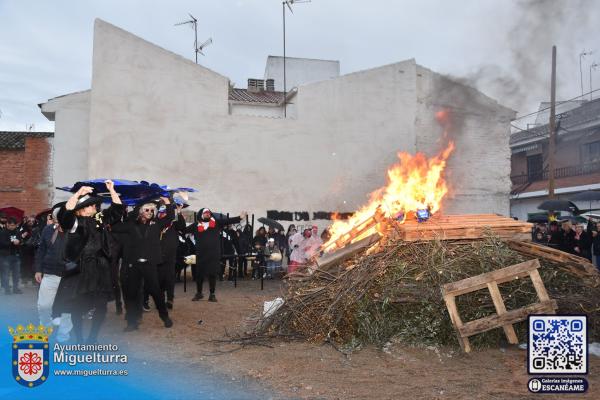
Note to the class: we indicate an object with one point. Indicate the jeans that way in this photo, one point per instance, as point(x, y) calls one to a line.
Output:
point(10, 265)
point(597, 256)
point(272, 267)
point(46, 295)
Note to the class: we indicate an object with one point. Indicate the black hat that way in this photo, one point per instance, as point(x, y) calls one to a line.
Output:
point(87, 200)
point(56, 208)
point(199, 215)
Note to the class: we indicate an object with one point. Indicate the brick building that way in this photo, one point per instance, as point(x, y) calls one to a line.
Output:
point(577, 157)
point(26, 165)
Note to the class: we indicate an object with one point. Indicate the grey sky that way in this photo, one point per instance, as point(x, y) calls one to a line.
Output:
point(502, 47)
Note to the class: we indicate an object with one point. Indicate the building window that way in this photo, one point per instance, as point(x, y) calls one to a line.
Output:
point(590, 152)
point(535, 167)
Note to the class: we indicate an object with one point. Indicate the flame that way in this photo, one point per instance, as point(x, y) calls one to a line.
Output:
point(414, 183)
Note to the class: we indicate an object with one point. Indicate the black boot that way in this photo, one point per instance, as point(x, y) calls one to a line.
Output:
point(212, 298)
point(198, 296)
point(167, 321)
point(131, 327)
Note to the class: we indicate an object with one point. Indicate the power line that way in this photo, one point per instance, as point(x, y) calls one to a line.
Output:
point(560, 102)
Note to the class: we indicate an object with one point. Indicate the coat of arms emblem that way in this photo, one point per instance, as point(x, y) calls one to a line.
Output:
point(30, 360)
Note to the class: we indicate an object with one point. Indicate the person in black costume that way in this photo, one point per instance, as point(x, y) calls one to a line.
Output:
point(169, 242)
point(86, 283)
point(207, 234)
point(229, 246)
point(140, 235)
point(244, 248)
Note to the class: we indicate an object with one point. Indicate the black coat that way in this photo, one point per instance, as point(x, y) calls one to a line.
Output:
point(6, 246)
point(567, 241)
point(142, 241)
point(169, 240)
point(49, 257)
point(584, 243)
point(229, 242)
point(87, 244)
point(208, 245)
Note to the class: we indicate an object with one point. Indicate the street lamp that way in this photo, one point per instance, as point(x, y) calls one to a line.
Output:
point(287, 3)
point(581, 55)
point(594, 65)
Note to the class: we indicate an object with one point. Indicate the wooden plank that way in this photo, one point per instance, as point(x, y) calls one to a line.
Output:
point(576, 265)
point(470, 236)
point(447, 228)
point(457, 322)
point(460, 222)
point(511, 317)
point(346, 252)
point(358, 230)
point(538, 284)
point(509, 330)
point(499, 276)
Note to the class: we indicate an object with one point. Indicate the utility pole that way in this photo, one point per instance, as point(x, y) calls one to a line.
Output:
point(552, 126)
point(287, 3)
point(284, 81)
point(594, 65)
point(582, 55)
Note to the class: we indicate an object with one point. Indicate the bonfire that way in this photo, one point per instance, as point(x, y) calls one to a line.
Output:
point(380, 274)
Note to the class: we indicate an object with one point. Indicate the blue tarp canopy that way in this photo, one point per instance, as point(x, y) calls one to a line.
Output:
point(130, 192)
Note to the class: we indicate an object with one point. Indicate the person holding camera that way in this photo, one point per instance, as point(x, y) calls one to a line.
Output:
point(10, 261)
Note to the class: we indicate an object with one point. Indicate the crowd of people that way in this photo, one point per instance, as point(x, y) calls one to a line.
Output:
point(579, 239)
point(84, 256)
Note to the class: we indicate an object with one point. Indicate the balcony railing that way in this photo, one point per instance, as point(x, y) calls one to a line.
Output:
point(563, 172)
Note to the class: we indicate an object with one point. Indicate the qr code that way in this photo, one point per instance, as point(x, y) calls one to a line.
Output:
point(557, 344)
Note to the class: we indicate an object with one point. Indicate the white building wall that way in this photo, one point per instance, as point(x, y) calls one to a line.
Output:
point(258, 110)
point(300, 71)
point(70, 145)
point(159, 117)
point(478, 172)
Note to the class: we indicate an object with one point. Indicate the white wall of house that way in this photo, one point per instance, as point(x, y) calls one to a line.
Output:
point(70, 146)
point(157, 116)
point(300, 71)
point(256, 110)
point(478, 172)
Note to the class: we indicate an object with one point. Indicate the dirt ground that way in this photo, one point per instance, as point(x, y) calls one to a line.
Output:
point(307, 371)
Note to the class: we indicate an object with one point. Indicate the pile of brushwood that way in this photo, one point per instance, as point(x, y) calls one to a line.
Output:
point(393, 292)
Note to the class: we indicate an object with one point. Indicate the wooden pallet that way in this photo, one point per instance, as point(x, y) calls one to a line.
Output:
point(503, 318)
point(575, 265)
point(464, 226)
point(356, 231)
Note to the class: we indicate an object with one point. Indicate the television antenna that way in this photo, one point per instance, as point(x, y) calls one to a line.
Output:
point(203, 45)
point(193, 22)
point(287, 3)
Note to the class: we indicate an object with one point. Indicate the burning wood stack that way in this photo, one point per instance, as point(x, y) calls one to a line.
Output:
point(382, 273)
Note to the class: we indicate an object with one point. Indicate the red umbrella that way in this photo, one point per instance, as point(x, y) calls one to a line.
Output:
point(14, 212)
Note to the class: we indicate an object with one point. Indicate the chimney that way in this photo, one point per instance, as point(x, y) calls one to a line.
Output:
point(256, 85)
point(270, 85)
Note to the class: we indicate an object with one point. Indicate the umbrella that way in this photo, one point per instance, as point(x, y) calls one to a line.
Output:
point(588, 195)
point(271, 222)
point(573, 219)
point(559, 205)
point(131, 192)
point(14, 212)
point(539, 218)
